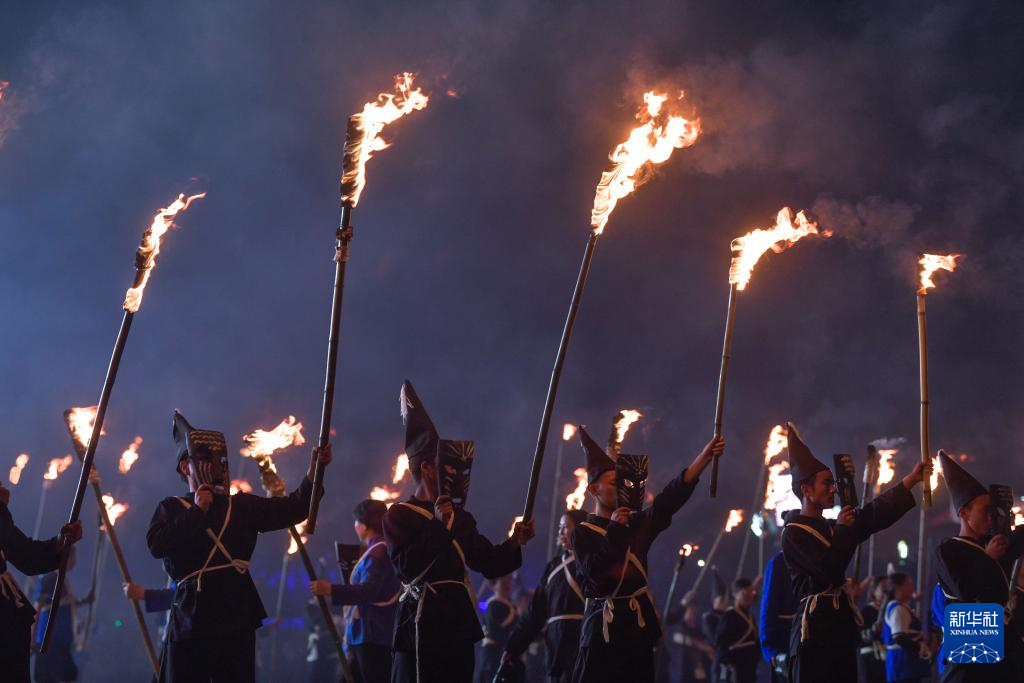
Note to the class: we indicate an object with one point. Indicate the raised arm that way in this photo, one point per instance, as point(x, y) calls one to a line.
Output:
point(379, 585)
point(28, 555)
point(174, 528)
point(272, 514)
point(491, 560)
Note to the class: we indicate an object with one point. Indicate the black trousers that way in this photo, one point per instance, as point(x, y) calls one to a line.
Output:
point(15, 640)
point(607, 662)
point(372, 663)
point(451, 664)
point(220, 659)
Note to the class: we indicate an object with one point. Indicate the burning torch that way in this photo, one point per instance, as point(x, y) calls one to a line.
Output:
point(684, 553)
point(747, 250)
point(870, 474)
point(112, 511)
point(56, 467)
point(145, 261)
point(776, 445)
point(734, 519)
point(568, 431)
point(649, 144)
point(362, 140)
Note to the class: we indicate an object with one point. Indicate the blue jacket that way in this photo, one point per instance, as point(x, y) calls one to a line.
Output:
point(372, 594)
point(900, 633)
point(939, 602)
point(778, 605)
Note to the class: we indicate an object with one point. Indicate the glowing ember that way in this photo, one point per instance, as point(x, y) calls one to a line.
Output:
point(239, 486)
point(648, 144)
point(145, 257)
point(1018, 516)
point(14, 476)
point(625, 421)
point(748, 249)
point(368, 124)
point(512, 529)
point(735, 519)
point(57, 467)
point(80, 422)
point(885, 469)
point(776, 443)
point(574, 501)
point(130, 455)
point(688, 549)
point(261, 443)
point(293, 547)
point(114, 509)
point(401, 468)
point(568, 431)
point(929, 264)
point(384, 495)
point(933, 481)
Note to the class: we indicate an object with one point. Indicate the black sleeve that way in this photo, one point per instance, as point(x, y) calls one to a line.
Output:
point(669, 501)
point(594, 551)
point(883, 512)
point(806, 556)
point(726, 635)
point(174, 528)
point(29, 556)
point(956, 571)
point(1016, 547)
point(412, 546)
point(272, 514)
point(483, 556)
point(530, 622)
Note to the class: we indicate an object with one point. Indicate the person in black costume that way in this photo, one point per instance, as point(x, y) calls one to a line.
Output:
point(736, 642)
point(719, 603)
point(500, 615)
point(871, 655)
point(825, 635)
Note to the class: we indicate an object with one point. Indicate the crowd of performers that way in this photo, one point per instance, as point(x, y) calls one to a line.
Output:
point(411, 613)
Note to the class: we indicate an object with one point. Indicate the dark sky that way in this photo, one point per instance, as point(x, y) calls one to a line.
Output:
point(899, 124)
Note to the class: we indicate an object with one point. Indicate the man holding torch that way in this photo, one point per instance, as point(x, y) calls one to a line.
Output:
point(16, 612)
point(620, 625)
point(205, 540)
point(824, 639)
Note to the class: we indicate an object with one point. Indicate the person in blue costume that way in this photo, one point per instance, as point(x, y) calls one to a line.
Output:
point(907, 658)
point(778, 607)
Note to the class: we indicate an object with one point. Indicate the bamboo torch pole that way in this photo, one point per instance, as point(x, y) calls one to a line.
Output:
point(730, 318)
point(870, 465)
point(684, 552)
point(707, 561)
point(926, 492)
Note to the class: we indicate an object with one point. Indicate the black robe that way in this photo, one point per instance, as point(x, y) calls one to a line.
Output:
point(499, 620)
point(557, 609)
point(736, 645)
point(871, 652)
point(217, 610)
point(694, 662)
point(827, 649)
point(422, 548)
point(709, 623)
point(967, 574)
point(603, 566)
point(16, 612)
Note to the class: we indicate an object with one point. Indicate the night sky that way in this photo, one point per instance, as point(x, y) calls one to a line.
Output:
point(900, 125)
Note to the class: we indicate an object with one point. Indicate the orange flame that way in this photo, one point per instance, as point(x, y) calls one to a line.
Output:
point(574, 501)
point(81, 422)
point(130, 455)
point(386, 109)
point(688, 549)
point(145, 257)
point(261, 443)
point(929, 264)
point(14, 476)
point(1018, 517)
point(734, 520)
point(293, 547)
point(512, 529)
point(748, 249)
point(57, 467)
point(568, 431)
point(648, 144)
point(885, 469)
point(239, 486)
point(625, 421)
point(776, 443)
point(933, 481)
point(114, 509)
point(401, 468)
point(384, 495)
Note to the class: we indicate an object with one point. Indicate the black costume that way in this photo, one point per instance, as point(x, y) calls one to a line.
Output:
point(499, 620)
point(968, 574)
point(557, 609)
point(825, 638)
point(620, 626)
point(694, 661)
point(16, 612)
point(212, 625)
point(437, 623)
point(871, 654)
point(736, 647)
point(709, 620)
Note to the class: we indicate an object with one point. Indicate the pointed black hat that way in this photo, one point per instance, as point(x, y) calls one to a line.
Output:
point(598, 461)
point(802, 463)
point(420, 435)
point(191, 441)
point(963, 488)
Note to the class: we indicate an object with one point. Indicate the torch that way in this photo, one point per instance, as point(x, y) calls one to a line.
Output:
point(884, 472)
point(776, 444)
point(260, 445)
point(735, 518)
point(684, 553)
point(279, 607)
point(747, 250)
point(568, 431)
point(82, 424)
point(649, 144)
point(145, 261)
point(362, 140)
point(56, 468)
point(870, 472)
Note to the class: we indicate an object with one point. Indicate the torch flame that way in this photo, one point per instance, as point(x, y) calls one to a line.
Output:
point(293, 547)
point(885, 469)
point(735, 519)
point(261, 443)
point(369, 123)
point(625, 421)
point(568, 431)
point(648, 144)
point(57, 467)
point(80, 422)
point(933, 481)
point(574, 501)
point(929, 264)
point(512, 529)
point(239, 486)
point(114, 509)
point(776, 443)
point(145, 257)
point(401, 467)
point(384, 495)
point(130, 455)
point(748, 249)
point(1018, 517)
point(14, 476)
point(688, 549)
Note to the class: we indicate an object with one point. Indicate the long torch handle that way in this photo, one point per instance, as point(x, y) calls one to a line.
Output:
point(707, 561)
point(332, 629)
point(344, 236)
point(671, 592)
point(90, 454)
point(556, 374)
point(922, 349)
point(755, 505)
point(868, 487)
point(723, 372)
